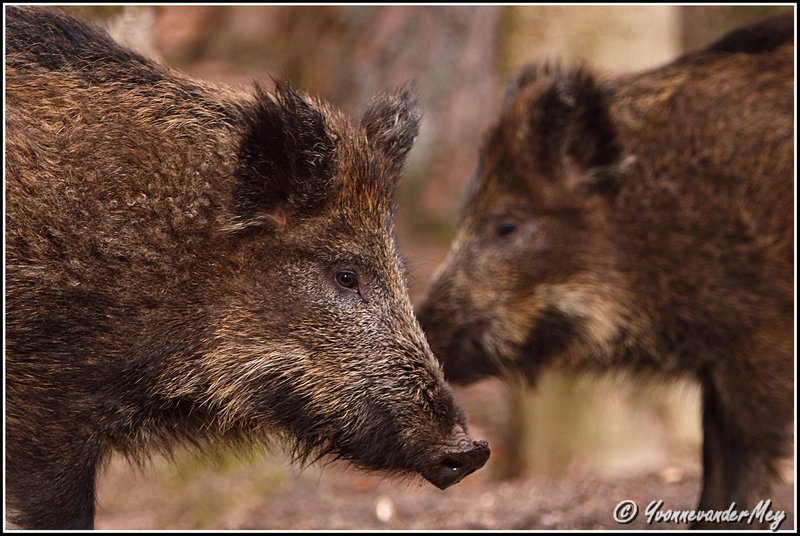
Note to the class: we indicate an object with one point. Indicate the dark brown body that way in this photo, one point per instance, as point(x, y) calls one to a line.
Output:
point(184, 262)
point(644, 222)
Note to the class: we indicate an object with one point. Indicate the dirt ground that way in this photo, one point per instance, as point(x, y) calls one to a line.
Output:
point(270, 494)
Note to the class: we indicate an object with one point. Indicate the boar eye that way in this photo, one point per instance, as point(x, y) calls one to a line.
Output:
point(346, 279)
point(505, 229)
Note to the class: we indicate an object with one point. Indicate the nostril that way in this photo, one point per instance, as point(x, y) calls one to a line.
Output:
point(450, 463)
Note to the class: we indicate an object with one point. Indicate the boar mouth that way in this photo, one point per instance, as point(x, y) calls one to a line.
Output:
point(383, 447)
point(466, 360)
point(443, 462)
point(449, 464)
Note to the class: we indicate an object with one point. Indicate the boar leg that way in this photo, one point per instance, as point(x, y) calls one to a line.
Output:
point(715, 454)
point(59, 490)
point(737, 456)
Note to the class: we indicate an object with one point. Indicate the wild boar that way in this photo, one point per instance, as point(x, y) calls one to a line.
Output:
point(185, 262)
point(643, 222)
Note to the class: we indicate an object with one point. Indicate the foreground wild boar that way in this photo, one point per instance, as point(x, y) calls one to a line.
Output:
point(187, 263)
point(643, 222)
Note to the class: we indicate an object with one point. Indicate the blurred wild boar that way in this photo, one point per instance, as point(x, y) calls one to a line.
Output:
point(644, 222)
point(188, 263)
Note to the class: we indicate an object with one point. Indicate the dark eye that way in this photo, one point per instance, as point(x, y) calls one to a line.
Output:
point(505, 229)
point(346, 280)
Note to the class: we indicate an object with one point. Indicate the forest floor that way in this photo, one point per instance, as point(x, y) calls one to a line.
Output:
point(270, 494)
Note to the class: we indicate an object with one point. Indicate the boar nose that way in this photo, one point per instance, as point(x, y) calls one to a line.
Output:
point(451, 463)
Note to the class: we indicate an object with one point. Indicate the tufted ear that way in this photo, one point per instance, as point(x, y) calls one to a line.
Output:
point(286, 160)
point(392, 123)
point(570, 129)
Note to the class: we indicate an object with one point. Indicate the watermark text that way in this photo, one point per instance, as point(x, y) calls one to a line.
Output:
point(655, 513)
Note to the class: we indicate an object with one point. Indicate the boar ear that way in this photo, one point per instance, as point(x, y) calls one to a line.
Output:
point(285, 162)
point(392, 123)
point(522, 79)
point(572, 132)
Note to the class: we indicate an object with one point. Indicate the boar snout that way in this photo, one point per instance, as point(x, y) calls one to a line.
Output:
point(448, 464)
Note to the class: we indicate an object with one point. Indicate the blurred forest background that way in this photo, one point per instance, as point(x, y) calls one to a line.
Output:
point(598, 427)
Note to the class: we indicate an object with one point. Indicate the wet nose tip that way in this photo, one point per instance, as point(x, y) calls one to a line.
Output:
point(452, 464)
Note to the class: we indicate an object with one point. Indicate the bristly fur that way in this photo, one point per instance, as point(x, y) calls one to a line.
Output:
point(59, 42)
point(760, 37)
point(756, 38)
point(48, 40)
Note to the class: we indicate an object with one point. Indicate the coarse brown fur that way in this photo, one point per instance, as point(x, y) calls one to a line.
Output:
point(173, 261)
point(644, 222)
